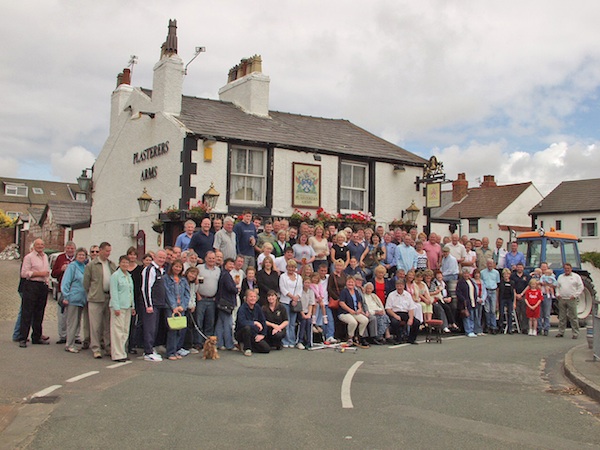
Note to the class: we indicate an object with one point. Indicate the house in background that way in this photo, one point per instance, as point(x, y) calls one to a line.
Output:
point(572, 207)
point(270, 162)
point(56, 223)
point(489, 210)
point(26, 200)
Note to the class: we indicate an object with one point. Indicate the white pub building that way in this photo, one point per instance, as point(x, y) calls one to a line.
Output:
point(175, 147)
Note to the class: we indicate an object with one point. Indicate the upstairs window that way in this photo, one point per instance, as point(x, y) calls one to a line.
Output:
point(15, 190)
point(37, 190)
point(353, 186)
point(248, 176)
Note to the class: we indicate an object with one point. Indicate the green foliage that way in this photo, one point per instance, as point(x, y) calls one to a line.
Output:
point(6, 221)
point(591, 257)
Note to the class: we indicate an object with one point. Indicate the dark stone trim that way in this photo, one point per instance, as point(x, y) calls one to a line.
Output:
point(190, 144)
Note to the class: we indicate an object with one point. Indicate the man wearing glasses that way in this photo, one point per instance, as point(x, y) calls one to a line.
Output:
point(85, 325)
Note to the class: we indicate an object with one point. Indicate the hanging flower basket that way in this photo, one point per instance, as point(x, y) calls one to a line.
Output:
point(158, 226)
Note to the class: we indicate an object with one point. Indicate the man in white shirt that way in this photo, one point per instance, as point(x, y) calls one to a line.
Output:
point(500, 254)
point(568, 290)
point(457, 249)
point(401, 308)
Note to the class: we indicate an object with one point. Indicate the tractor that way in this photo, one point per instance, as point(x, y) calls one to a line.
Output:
point(556, 249)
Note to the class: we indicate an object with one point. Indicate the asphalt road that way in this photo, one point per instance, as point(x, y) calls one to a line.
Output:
point(490, 392)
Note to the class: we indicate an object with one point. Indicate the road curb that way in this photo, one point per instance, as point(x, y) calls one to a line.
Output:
point(590, 388)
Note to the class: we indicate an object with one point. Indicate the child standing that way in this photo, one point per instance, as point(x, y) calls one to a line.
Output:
point(533, 299)
point(307, 298)
point(320, 291)
point(548, 282)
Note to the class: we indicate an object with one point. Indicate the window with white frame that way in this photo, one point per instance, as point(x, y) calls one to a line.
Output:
point(353, 186)
point(248, 176)
point(15, 190)
point(473, 225)
point(589, 227)
point(12, 214)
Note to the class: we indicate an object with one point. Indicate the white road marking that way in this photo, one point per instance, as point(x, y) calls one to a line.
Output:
point(46, 391)
point(346, 398)
point(82, 376)
point(119, 364)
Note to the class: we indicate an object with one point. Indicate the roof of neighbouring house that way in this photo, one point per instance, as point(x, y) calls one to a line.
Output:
point(39, 192)
point(225, 121)
point(487, 201)
point(571, 196)
point(68, 213)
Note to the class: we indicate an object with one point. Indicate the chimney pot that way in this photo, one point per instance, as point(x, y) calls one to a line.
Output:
point(488, 181)
point(126, 79)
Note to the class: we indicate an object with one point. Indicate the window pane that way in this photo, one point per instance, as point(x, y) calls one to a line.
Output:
point(239, 161)
point(570, 255)
point(346, 175)
point(255, 162)
point(358, 180)
point(553, 254)
point(345, 199)
point(358, 202)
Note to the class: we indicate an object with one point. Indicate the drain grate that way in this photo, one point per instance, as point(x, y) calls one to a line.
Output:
point(46, 399)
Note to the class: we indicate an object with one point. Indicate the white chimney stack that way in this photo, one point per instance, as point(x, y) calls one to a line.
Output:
point(247, 87)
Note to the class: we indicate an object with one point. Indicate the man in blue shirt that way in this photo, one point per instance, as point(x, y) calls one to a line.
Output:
point(406, 255)
point(245, 234)
point(491, 280)
point(514, 257)
point(449, 265)
point(183, 240)
point(390, 254)
point(203, 241)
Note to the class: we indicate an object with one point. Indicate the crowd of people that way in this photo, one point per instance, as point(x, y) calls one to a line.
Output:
point(262, 288)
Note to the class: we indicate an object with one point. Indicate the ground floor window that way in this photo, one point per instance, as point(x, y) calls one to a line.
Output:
point(589, 227)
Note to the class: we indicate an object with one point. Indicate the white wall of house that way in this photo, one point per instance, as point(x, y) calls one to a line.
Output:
point(516, 214)
point(571, 223)
point(117, 179)
point(395, 191)
point(214, 171)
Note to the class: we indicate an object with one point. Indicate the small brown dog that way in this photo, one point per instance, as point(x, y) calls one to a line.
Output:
point(209, 350)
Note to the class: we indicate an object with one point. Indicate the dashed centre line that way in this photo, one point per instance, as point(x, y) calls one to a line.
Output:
point(82, 376)
point(46, 391)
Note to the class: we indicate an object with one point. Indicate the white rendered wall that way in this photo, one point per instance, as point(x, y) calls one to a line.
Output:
point(517, 213)
point(571, 223)
point(210, 171)
point(394, 192)
point(117, 183)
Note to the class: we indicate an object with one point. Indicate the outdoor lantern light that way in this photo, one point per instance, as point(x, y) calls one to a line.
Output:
point(211, 196)
point(144, 201)
point(412, 212)
point(84, 182)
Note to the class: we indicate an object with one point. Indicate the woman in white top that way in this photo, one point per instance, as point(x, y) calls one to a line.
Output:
point(320, 245)
point(290, 290)
point(470, 261)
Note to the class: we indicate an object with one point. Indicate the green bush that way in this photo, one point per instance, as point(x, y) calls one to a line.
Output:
point(591, 257)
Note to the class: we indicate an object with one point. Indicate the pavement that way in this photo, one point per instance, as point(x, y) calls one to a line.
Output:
point(583, 371)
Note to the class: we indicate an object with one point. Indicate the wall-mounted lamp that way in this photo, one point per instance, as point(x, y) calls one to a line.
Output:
point(317, 157)
point(84, 182)
point(144, 201)
point(196, 53)
point(412, 212)
point(211, 196)
point(399, 168)
point(209, 141)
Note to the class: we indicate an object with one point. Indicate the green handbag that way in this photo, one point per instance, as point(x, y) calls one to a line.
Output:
point(177, 322)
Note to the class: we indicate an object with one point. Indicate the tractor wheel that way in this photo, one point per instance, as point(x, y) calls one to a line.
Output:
point(586, 301)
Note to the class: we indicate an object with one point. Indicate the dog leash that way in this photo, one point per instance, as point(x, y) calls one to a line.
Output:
point(196, 327)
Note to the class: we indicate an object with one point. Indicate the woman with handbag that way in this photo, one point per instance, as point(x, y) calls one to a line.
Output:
point(178, 297)
point(290, 289)
point(226, 303)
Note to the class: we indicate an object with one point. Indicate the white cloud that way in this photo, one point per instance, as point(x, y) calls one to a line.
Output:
point(9, 167)
point(546, 168)
point(67, 166)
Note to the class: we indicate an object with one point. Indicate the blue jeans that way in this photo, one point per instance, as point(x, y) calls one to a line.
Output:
point(546, 308)
point(329, 327)
point(469, 322)
point(224, 330)
point(477, 327)
point(17, 330)
point(205, 319)
point(290, 337)
point(490, 309)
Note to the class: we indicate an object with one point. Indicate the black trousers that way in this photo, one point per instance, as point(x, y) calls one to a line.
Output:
point(33, 304)
point(245, 336)
point(274, 340)
point(396, 326)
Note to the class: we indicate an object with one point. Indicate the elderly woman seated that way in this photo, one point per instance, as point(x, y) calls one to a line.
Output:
point(376, 310)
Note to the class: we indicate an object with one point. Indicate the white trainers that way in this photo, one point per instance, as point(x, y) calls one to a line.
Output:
point(183, 352)
point(248, 352)
point(154, 357)
point(471, 335)
point(194, 351)
point(331, 340)
point(300, 346)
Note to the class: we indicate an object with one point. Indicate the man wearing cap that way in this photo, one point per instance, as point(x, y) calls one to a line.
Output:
point(449, 266)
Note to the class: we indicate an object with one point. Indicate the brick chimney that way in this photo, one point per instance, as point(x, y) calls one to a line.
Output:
point(460, 188)
point(247, 87)
point(120, 97)
point(488, 181)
